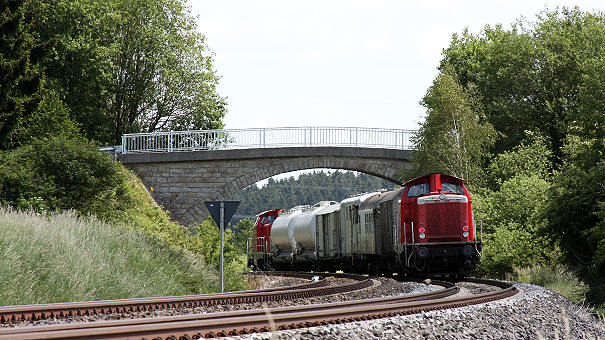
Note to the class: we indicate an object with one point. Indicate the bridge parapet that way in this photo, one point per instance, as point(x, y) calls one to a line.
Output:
point(267, 138)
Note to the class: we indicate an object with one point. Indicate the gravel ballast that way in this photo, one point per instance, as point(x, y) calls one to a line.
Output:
point(535, 313)
point(382, 287)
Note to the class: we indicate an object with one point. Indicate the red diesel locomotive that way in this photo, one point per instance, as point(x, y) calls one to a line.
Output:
point(426, 226)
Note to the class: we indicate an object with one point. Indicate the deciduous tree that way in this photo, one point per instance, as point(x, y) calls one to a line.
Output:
point(126, 66)
point(453, 138)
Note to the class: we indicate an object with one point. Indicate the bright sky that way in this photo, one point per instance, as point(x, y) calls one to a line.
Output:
point(340, 63)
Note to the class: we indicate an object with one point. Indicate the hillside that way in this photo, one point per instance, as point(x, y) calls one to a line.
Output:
point(61, 257)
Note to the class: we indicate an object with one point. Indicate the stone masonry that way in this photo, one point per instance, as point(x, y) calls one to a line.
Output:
point(182, 181)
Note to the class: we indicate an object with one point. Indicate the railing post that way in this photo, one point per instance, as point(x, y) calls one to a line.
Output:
point(310, 136)
point(170, 149)
point(124, 149)
point(264, 137)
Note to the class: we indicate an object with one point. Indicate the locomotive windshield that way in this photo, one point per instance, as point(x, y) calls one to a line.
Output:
point(267, 219)
point(419, 189)
point(452, 187)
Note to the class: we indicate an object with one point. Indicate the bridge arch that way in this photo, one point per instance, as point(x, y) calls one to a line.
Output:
point(182, 181)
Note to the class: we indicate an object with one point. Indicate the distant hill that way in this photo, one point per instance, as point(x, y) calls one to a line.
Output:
point(308, 188)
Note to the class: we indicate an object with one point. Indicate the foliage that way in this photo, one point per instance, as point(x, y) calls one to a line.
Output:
point(59, 174)
point(512, 223)
point(208, 237)
point(575, 212)
point(50, 119)
point(544, 76)
point(63, 173)
point(452, 139)
point(21, 76)
point(60, 257)
point(128, 66)
point(530, 158)
point(512, 212)
point(242, 233)
point(554, 277)
point(308, 188)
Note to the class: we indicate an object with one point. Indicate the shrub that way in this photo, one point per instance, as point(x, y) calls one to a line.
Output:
point(554, 277)
point(63, 173)
point(513, 245)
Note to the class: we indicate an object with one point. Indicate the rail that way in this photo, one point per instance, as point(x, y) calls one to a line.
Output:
point(266, 138)
point(233, 323)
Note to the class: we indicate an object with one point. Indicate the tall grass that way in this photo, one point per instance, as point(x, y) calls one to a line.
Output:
point(62, 257)
point(554, 277)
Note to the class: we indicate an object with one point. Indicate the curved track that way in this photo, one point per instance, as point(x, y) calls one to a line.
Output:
point(251, 321)
point(12, 314)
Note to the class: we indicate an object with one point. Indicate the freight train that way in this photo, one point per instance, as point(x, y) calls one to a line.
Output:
point(424, 227)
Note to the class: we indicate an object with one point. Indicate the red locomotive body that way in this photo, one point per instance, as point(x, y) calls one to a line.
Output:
point(262, 231)
point(437, 225)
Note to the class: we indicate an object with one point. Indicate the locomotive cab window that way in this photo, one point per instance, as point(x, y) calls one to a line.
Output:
point(418, 189)
point(267, 219)
point(452, 187)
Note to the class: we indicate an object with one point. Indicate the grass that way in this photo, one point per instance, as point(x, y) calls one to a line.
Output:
point(554, 277)
point(61, 257)
point(131, 207)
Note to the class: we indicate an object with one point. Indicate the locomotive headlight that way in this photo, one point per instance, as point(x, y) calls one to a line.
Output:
point(465, 234)
point(423, 252)
point(422, 235)
point(467, 251)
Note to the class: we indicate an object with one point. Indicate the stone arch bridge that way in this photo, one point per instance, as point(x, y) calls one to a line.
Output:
point(183, 180)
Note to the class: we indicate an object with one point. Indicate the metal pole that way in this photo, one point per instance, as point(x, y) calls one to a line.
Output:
point(481, 231)
point(222, 241)
point(405, 245)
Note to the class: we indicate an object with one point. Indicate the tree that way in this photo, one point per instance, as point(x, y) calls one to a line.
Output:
point(56, 173)
point(453, 138)
point(576, 210)
point(163, 71)
point(511, 208)
point(21, 74)
point(544, 76)
point(130, 66)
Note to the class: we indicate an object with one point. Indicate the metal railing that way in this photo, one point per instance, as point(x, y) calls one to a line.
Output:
point(266, 138)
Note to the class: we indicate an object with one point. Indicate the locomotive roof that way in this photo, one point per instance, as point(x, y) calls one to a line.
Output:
point(374, 201)
point(265, 212)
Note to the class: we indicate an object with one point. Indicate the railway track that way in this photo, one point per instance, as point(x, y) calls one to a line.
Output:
point(13, 314)
point(269, 319)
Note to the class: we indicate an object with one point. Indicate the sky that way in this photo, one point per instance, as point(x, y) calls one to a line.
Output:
point(340, 63)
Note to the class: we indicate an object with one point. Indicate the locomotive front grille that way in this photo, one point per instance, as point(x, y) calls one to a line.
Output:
point(444, 220)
